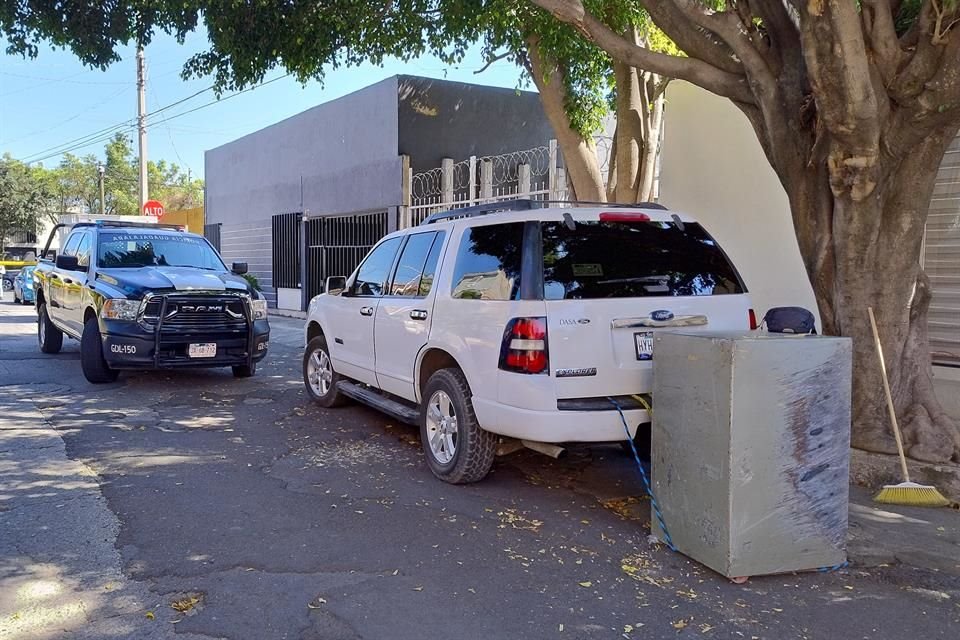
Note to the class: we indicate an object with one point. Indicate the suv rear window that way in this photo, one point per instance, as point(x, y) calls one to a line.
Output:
point(488, 262)
point(633, 260)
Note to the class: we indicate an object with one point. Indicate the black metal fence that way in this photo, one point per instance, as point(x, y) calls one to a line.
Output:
point(212, 233)
point(337, 244)
point(286, 250)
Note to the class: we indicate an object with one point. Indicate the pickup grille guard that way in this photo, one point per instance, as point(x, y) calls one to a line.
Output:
point(179, 314)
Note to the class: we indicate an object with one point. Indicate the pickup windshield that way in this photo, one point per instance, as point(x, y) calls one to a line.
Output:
point(138, 249)
point(633, 260)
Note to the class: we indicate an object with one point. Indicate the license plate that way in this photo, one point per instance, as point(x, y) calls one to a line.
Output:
point(644, 341)
point(202, 350)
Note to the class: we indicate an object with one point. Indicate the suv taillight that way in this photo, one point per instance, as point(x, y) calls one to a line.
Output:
point(752, 315)
point(524, 348)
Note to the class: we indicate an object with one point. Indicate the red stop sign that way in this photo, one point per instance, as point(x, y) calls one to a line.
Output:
point(153, 208)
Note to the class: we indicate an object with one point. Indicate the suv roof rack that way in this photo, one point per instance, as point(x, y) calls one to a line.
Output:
point(138, 225)
point(525, 204)
point(519, 204)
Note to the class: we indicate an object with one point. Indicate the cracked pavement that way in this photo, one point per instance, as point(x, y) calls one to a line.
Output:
point(262, 516)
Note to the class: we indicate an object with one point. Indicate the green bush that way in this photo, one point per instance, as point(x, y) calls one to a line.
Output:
point(252, 279)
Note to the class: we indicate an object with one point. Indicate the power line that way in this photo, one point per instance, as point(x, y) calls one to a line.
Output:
point(213, 102)
point(107, 133)
point(67, 79)
point(76, 143)
point(71, 118)
point(82, 141)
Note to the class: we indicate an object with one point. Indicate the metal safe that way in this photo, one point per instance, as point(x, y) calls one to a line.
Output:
point(750, 448)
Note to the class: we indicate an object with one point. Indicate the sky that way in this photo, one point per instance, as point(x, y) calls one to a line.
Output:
point(52, 100)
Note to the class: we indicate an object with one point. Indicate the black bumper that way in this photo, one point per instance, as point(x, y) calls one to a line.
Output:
point(130, 345)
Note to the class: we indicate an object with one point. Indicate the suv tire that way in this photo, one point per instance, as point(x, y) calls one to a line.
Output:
point(49, 337)
point(319, 376)
point(448, 403)
point(95, 368)
point(244, 371)
point(642, 441)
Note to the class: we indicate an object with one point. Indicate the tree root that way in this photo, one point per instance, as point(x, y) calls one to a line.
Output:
point(931, 436)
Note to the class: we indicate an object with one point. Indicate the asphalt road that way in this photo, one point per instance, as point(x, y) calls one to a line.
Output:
point(267, 517)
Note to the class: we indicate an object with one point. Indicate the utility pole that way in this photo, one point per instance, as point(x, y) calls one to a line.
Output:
point(103, 202)
point(142, 124)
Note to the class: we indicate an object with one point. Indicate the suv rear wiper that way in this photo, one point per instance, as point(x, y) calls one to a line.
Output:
point(637, 279)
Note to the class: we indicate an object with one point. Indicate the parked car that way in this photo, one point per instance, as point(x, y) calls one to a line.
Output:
point(23, 286)
point(528, 324)
point(148, 296)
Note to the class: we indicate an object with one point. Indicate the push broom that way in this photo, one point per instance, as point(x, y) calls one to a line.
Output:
point(905, 493)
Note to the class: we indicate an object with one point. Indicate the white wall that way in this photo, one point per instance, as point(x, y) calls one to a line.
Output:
point(712, 167)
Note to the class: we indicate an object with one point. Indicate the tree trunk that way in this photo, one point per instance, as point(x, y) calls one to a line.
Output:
point(646, 183)
point(629, 136)
point(864, 251)
point(579, 152)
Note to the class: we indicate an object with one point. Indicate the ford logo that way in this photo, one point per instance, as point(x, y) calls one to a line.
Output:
point(661, 315)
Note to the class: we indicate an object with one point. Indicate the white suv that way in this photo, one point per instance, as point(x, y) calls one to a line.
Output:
point(528, 324)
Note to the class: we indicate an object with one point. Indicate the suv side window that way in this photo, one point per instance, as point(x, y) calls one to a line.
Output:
point(375, 271)
point(488, 262)
point(408, 279)
point(70, 248)
point(430, 268)
point(83, 251)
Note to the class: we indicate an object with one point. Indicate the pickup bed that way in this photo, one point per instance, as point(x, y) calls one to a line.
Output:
point(148, 296)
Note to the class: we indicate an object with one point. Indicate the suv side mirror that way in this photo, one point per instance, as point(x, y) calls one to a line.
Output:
point(239, 268)
point(67, 263)
point(335, 285)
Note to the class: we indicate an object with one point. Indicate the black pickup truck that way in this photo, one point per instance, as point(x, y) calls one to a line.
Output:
point(148, 296)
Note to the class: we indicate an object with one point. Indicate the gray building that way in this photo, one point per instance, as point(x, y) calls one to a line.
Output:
point(346, 161)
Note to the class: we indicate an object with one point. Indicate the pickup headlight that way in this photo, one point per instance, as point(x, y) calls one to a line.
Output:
point(259, 308)
point(120, 309)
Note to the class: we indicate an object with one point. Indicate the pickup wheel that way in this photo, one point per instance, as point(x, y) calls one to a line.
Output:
point(49, 337)
point(458, 449)
point(244, 371)
point(95, 368)
point(319, 375)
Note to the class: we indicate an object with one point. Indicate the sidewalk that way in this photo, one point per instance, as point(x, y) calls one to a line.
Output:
point(59, 569)
point(914, 536)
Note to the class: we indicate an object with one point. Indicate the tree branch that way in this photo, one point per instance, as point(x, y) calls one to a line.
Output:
point(837, 60)
point(882, 34)
point(729, 26)
point(696, 71)
point(694, 41)
point(492, 60)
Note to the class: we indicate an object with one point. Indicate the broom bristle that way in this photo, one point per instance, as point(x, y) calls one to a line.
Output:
point(911, 494)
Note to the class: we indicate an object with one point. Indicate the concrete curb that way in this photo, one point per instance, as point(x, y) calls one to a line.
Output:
point(873, 470)
point(288, 313)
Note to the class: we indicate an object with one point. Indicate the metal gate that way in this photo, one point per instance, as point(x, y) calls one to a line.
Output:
point(212, 233)
point(285, 240)
point(335, 245)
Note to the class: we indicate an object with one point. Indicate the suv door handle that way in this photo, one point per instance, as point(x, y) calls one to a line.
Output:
point(418, 314)
point(366, 311)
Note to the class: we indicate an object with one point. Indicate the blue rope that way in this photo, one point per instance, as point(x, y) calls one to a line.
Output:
point(835, 567)
point(646, 481)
